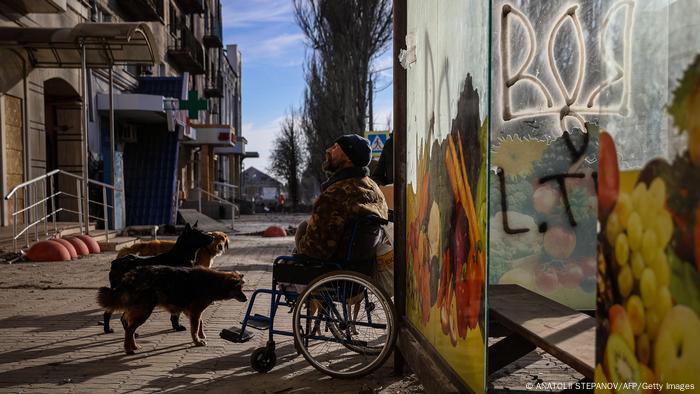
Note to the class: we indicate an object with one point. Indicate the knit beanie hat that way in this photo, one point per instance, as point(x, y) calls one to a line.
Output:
point(356, 148)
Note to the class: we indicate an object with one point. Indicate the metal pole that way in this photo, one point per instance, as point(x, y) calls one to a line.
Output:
point(199, 197)
point(84, 145)
point(112, 151)
point(25, 124)
point(25, 142)
point(105, 212)
point(46, 209)
point(27, 215)
point(78, 193)
point(371, 109)
point(14, 224)
point(36, 212)
point(53, 205)
point(400, 98)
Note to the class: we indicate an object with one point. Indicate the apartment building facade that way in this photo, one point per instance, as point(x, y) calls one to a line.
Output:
point(154, 139)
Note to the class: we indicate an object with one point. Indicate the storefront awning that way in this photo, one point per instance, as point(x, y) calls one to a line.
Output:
point(213, 134)
point(105, 44)
point(238, 149)
point(147, 109)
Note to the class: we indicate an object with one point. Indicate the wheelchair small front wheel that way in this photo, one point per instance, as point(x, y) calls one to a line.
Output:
point(263, 359)
point(344, 324)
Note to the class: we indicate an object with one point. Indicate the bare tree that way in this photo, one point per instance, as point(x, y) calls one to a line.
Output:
point(344, 37)
point(289, 155)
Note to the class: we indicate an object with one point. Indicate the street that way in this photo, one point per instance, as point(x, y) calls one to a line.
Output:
point(50, 339)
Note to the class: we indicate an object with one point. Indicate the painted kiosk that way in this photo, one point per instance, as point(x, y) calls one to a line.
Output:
point(502, 110)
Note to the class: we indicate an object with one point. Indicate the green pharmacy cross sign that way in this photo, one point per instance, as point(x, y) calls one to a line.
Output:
point(193, 104)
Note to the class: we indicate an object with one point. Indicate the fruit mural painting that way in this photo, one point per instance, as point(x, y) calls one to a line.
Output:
point(648, 259)
point(543, 215)
point(446, 224)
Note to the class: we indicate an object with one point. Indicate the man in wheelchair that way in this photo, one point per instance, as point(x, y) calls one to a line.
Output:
point(335, 309)
point(348, 195)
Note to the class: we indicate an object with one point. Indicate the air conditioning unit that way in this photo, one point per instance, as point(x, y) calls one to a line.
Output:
point(128, 134)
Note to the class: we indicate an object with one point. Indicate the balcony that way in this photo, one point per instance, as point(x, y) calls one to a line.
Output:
point(214, 86)
point(185, 52)
point(191, 6)
point(36, 6)
point(142, 10)
point(212, 33)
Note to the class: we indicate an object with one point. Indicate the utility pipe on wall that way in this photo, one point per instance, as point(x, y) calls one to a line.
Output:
point(84, 140)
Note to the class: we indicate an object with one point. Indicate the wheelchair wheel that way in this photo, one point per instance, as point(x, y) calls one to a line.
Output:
point(339, 333)
point(263, 360)
point(344, 324)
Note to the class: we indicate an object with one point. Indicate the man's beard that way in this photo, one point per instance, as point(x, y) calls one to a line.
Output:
point(329, 165)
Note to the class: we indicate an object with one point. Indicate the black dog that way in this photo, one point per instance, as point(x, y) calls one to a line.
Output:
point(178, 289)
point(181, 255)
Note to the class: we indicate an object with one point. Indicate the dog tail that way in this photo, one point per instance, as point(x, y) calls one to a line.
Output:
point(108, 298)
point(133, 249)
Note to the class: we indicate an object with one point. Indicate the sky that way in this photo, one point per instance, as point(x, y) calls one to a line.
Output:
point(273, 51)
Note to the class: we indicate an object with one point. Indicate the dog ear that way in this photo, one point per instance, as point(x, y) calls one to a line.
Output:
point(226, 243)
point(187, 227)
point(195, 224)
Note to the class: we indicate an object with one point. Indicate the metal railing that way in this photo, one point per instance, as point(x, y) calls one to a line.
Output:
point(39, 205)
point(214, 86)
point(225, 190)
point(212, 32)
point(201, 191)
point(185, 48)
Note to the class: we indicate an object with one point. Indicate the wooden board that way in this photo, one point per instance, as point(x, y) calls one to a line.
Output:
point(567, 334)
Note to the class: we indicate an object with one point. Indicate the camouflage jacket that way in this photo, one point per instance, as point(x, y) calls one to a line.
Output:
point(346, 196)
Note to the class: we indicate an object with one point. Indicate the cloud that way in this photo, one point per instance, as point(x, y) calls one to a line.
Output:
point(277, 46)
point(265, 35)
point(381, 114)
point(385, 62)
point(260, 139)
point(282, 50)
point(248, 13)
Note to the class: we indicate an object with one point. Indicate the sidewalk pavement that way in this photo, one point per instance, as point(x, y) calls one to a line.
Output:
point(50, 340)
point(249, 224)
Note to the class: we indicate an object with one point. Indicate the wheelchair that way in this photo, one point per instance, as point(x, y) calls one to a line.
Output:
point(343, 323)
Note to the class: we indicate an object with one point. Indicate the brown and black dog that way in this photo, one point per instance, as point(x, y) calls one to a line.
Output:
point(177, 289)
point(205, 255)
point(181, 255)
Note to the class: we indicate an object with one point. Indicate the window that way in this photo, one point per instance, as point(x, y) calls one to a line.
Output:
point(102, 15)
point(172, 19)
